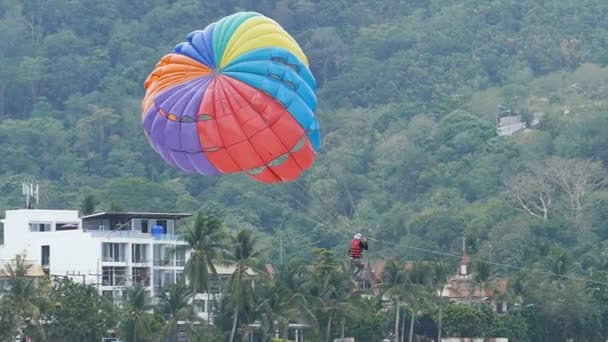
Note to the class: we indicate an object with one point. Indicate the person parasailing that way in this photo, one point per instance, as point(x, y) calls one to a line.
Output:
point(357, 245)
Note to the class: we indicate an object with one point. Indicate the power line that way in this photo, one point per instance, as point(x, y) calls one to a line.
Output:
point(494, 263)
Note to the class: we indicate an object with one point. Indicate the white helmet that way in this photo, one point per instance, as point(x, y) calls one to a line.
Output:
point(358, 236)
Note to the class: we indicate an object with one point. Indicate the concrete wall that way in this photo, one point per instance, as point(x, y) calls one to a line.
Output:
point(73, 254)
point(17, 236)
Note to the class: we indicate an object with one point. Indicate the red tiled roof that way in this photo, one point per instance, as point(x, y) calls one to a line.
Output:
point(378, 268)
point(464, 288)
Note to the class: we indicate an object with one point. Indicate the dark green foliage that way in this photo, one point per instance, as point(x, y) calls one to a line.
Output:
point(88, 205)
point(408, 103)
point(461, 321)
point(8, 326)
point(77, 313)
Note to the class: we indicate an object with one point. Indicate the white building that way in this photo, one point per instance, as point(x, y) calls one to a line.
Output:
point(111, 251)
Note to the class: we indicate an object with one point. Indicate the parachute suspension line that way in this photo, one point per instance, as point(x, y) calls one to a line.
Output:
point(327, 217)
point(328, 205)
point(317, 220)
point(303, 207)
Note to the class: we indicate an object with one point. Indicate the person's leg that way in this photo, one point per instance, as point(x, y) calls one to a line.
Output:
point(359, 265)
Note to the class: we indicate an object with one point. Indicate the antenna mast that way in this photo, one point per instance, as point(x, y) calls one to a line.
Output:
point(31, 192)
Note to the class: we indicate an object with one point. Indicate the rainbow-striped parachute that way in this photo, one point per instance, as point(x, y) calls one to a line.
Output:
point(238, 96)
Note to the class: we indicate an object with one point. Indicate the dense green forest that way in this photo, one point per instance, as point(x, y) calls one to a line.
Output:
point(409, 95)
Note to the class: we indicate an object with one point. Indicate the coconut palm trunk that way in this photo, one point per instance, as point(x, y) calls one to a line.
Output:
point(403, 329)
point(397, 304)
point(439, 324)
point(329, 321)
point(412, 320)
point(243, 256)
point(234, 321)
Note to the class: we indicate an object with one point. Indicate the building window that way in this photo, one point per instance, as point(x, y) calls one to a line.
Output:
point(114, 252)
point(139, 253)
point(107, 294)
point(45, 257)
point(141, 275)
point(210, 305)
point(162, 223)
point(66, 226)
point(216, 285)
point(114, 276)
point(180, 257)
point(119, 224)
point(162, 255)
point(162, 279)
point(140, 225)
point(199, 306)
point(170, 227)
point(40, 227)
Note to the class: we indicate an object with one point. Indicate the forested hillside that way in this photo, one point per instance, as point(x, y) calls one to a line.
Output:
point(408, 103)
point(409, 95)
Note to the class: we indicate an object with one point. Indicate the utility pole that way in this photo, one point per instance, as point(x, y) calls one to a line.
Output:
point(464, 245)
point(98, 283)
point(281, 248)
point(490, 263)
point(74, 274)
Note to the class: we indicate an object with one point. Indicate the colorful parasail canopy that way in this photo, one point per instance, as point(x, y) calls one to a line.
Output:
point(238, 96)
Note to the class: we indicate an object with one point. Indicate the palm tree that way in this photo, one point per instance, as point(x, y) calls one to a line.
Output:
point(22, 294)
point(342, 298)
point(138, 320)
point(282, 295)
point(560, 265)
point(330, 292)
point(336, 298)
point(174, 305)
point(242, 255)
point(394, 278)
point(419, 279)
point(205, 242)
point(440, 278)
point(481, 278)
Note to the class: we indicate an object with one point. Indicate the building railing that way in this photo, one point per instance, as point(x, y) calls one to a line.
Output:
point(115, 281)
point(170, 262)
point(112, 259)
point(132, 234)
point(141, 261)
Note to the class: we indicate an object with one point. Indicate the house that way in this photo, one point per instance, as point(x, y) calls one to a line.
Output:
point(110, 250)
point(460, 288)
point(372, 276)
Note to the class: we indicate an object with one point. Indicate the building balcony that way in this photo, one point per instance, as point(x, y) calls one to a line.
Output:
point(169, 263)
point(108, 260)
point(132, 234)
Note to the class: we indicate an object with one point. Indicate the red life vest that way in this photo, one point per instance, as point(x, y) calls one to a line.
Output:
point(355, 249)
